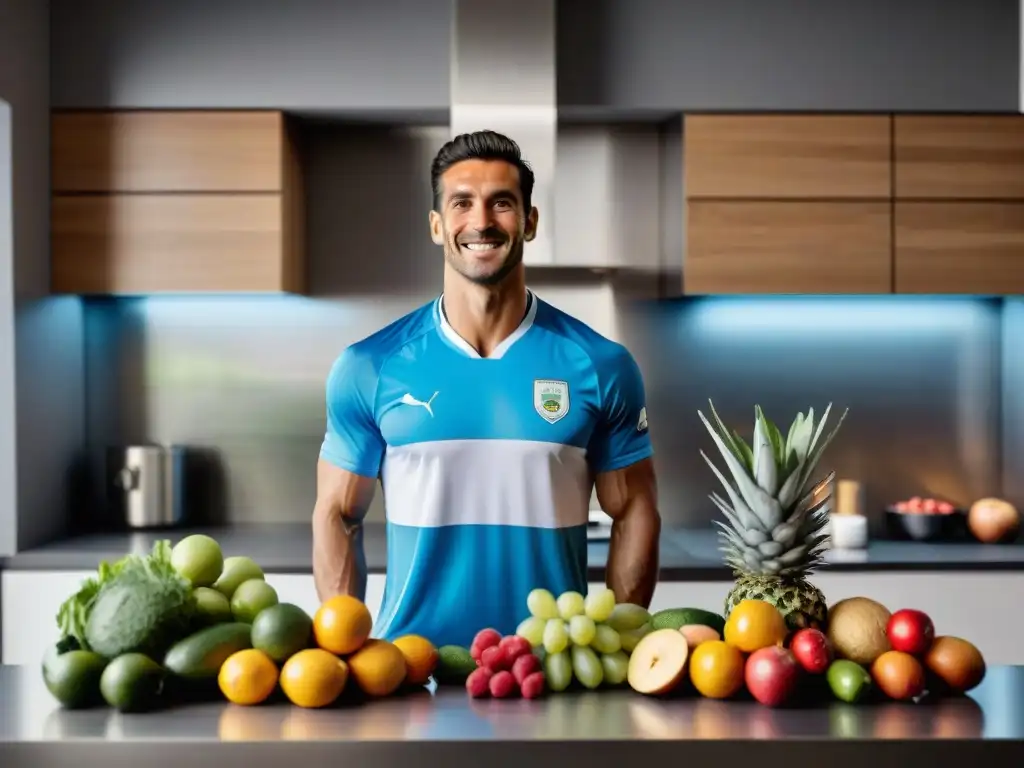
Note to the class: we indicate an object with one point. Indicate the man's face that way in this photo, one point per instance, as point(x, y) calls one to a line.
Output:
point(482, 224)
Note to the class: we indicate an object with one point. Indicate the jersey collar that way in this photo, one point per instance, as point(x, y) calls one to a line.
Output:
point(499, 351)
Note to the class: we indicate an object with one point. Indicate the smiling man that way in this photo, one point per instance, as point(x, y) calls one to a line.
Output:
point(488, 416)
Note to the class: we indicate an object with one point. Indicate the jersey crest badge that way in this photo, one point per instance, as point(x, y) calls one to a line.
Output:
point(551, 399)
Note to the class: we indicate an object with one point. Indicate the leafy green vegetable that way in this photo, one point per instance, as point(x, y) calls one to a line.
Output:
point(132, 604)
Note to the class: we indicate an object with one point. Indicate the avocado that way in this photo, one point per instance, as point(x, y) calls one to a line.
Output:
point(454, 665)
point(73, 676)
point(201, 655)
point(132, 682)
point(674, 618)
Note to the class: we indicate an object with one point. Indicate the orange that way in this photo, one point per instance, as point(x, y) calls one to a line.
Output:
point(342, 624)
point(716, 669)
point(247, 677)
point(378, 668)
point(755, 624)
point(420, 658)
point(313, 678)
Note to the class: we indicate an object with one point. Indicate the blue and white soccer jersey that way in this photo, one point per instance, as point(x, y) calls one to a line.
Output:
point(486, 464)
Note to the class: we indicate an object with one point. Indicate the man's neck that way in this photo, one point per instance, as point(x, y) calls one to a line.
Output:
point(484, 316)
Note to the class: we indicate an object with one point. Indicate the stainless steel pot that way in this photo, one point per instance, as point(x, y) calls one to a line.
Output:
point(148, 485)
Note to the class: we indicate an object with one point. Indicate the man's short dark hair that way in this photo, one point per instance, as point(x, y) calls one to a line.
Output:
point(481, 145)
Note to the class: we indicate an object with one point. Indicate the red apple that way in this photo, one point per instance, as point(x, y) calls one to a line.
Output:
point(910, 631)
point(772, 675)
point(812, 650)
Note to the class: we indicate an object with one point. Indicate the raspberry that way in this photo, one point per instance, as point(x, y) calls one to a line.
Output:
point(533, 685)
point(503, 685)
point(515, 646)
point(524, 666)
point(494, 659)
point(485, 638)
point(477, 684)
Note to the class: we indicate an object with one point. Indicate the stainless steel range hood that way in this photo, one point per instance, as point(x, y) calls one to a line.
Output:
point(503, 79)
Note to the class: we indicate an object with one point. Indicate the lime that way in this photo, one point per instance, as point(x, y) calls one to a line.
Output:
point(250, 598)
point(73, 677)
point(281, 631)
point(212, 606)
point(849, 681)
point(132, 682)
point(198, 558)
point(235, 571)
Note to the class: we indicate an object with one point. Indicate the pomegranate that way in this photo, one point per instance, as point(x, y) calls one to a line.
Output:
point(812, 650)
point(772, 675)
point(910, 631)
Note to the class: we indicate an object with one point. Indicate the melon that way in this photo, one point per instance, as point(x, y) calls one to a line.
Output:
point(856, 629)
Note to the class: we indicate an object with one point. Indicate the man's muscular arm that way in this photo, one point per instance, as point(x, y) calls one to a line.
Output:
point(629, 497)
point(339, 562)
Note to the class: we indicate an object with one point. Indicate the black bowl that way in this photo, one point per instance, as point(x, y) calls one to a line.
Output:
point(926, 526)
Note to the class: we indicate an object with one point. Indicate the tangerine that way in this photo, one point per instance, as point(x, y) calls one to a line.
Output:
point(378, 668)
point(313, 678)
point(420, 658)
point(342, 624)
point(247, 677)
point(716, 669)
point(755, 624)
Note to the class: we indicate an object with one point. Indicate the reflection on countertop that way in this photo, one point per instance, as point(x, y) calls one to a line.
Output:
point(995, 710)
point(686, 554)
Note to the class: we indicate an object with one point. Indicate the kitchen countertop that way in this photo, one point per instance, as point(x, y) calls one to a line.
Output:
point(600, 728)
point(686, 554)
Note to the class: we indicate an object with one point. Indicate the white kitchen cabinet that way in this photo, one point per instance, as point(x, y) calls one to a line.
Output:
point(976, 605)
point(30, 600)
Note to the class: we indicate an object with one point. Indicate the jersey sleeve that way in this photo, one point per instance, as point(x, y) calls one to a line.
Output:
point(621, 436)
point(353, 440)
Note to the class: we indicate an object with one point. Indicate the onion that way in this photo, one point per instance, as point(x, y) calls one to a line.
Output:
point(993, 521)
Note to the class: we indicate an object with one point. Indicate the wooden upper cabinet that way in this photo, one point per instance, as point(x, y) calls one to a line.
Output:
point(167, 151)
point(959, 156)
point(139, 244)
point(171, 202)
point(787, 247)
point(787, 156)
point(959, 247)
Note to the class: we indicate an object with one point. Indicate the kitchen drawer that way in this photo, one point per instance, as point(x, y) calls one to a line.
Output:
point(142, 244)
point(959, 247)
point(737, 247)
point(787, 156)
point(959, 156)
point(159, 151)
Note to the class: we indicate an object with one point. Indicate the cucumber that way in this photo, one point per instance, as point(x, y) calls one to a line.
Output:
point(674, 618)
point(202, 654)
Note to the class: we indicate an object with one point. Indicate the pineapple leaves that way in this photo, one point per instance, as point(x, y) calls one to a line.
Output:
point(742, 511)
point(751, 536)
point(744, 452)
point(772, 523)
point(762, 504)
point(766, 471)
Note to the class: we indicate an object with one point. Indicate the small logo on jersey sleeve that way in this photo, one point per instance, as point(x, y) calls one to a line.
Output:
point(641, 423)
point(551, 399)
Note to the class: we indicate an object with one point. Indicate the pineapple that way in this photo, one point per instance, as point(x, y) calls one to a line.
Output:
point(774, 537)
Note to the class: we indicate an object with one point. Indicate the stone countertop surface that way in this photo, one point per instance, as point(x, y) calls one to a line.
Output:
point(686, 554)
point(601, 727)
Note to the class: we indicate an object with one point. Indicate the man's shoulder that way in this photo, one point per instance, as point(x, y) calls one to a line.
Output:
point(602, 352)
point(368, 354)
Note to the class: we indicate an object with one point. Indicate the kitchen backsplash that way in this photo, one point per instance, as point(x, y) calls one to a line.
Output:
point(243, 377)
